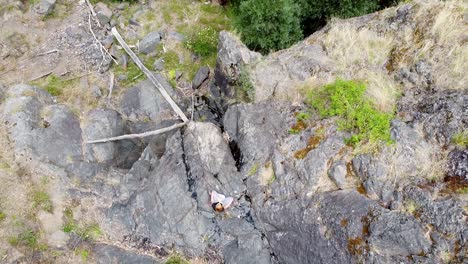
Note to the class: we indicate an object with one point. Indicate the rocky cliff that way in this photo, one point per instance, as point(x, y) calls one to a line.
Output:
point(303, 197)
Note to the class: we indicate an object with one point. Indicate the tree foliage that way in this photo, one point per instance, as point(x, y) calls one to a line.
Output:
point(269, 24)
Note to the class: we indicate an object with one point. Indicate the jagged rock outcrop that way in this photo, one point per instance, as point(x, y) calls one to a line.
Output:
point(300, 195)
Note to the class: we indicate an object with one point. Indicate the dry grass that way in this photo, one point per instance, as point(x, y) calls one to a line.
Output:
point(418, 160)
point(439, 38)
point(354, 49)
point(362, 54)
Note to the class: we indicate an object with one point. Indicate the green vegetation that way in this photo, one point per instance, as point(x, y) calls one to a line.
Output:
point(357, 114)
point(53, 84)
point(268, 25)
point(203, 42)
point(253, 170)
point(463, 190)
point(246, 88)
point(461, 138)
point(83, 253)
point(301, 124)
point(411, 207)
point(2, 216)
point(176, 259)
point(41, 200)
point(27, 238)
point(87, 232)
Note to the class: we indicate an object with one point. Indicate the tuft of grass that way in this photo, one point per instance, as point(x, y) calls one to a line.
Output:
point(83, 253)
point(2, 216)
point(87, 232)
point(41, 200)
point(27, 238)
point(253, 170)
point(463, 190)
point(176, 259)
point(357, 114)
point(410, 207)
point(461, 138)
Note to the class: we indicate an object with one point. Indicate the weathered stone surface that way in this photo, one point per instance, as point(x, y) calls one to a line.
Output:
point(395, 233)
point(232, 56)
point(45, 7)
point(275, 75)
point(445, 215)
point(51, 133)
point(99, 124)
point(202, 75)
point(107, 254)
point(103, 13)
point(458, 164)
point(174, 192)
point(159, 64)
point(145, 103)
point(149, 42)
point(338, 173)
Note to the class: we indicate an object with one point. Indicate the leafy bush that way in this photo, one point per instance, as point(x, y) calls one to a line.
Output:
point(269, 24)
point(358, 115)
point(323, 9)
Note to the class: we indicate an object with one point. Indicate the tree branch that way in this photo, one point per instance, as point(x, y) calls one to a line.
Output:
point(146, 134)
point(150, 75)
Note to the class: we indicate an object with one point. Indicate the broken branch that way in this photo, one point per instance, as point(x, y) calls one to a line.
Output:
point(101, 47)
point(130, 136)
point(150, 76)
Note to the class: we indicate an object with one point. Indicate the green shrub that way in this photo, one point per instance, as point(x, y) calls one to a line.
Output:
point(268, 25)
point(203, 42)
point(324, 9)
point(356, 113)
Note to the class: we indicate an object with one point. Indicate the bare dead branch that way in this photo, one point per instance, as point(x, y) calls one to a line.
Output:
point(100, 46)
point(150, 75)
point(111, 85)
point(146, 134)
point(91, 9)
point(47, 52)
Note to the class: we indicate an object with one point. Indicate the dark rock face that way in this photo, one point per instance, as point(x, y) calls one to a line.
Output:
point(102, 123)
point(396, 234)
point(202, 75)
point(149, 42)
point(106, 254)
point(442, 113)
point(167, 200)
point(232, 56)
point(145, 103)
point(458, 164)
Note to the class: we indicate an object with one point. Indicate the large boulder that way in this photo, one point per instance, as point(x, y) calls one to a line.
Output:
point(166, 200)
point(38, 129)
point(144, 102)
point(149, 42)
